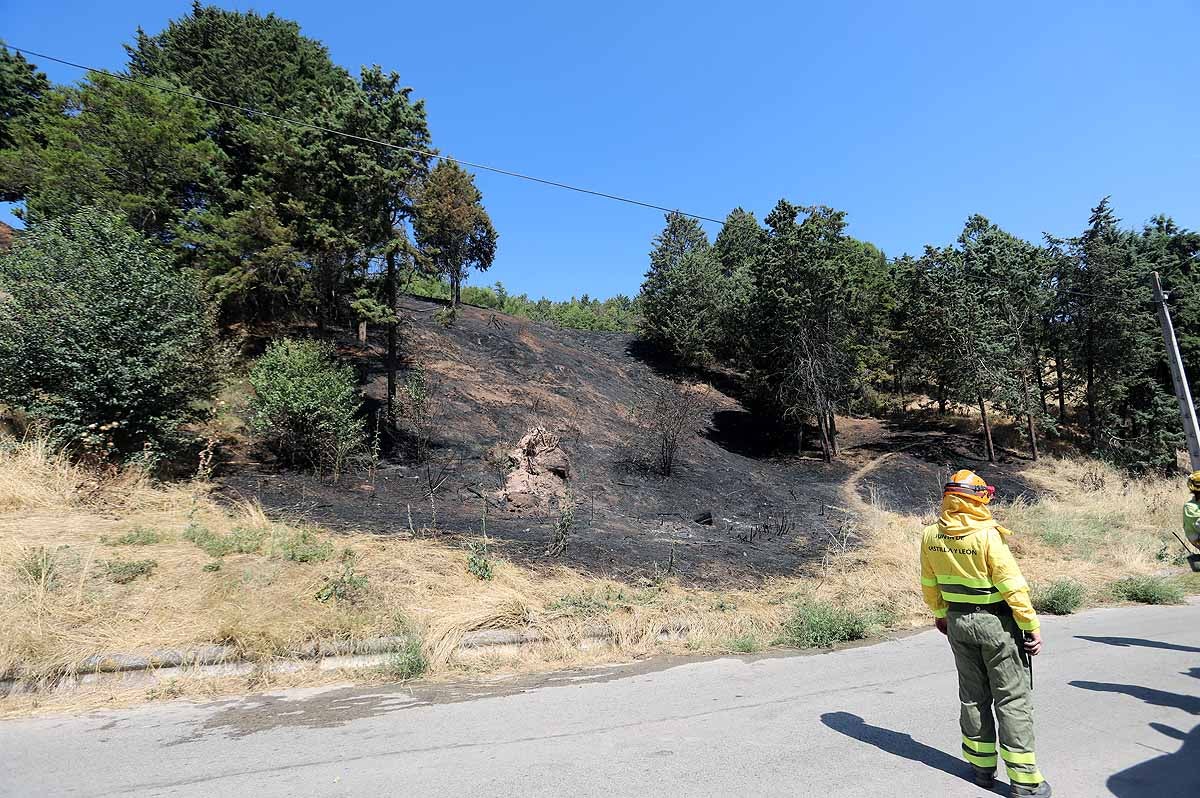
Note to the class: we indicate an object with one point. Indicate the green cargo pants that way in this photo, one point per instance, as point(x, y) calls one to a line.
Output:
point(992, 672)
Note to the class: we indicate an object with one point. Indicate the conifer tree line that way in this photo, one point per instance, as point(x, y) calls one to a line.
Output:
point(1060, 335)
point(278, 221)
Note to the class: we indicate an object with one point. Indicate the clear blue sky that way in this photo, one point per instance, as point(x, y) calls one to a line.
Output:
point(908, 115)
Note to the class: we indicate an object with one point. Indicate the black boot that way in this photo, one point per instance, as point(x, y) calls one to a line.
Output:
point(985, 778)
point(1041, 791)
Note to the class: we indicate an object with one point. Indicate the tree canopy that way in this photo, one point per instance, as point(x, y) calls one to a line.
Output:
point(452, 226)
point(1060, 335)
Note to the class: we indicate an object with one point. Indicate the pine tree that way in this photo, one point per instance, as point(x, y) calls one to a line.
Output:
point(138, 150)
point(802, 360)
point(737, 247)
point(23, 102)
point(678, 302)
point(1011, 277)
point(301, 217)
point(453, 229)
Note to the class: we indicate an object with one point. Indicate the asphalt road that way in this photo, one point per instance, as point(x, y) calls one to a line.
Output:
point(1118, 712)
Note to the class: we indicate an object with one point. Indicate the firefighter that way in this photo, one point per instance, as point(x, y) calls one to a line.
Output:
point(980, 601)
point(1191, 511)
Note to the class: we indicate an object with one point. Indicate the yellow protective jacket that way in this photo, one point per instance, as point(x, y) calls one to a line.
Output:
point(964, 559)
point(1191, 522)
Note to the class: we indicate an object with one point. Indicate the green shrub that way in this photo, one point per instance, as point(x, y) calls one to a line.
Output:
point(1148, 590)
point(213, 544)
point(591, 602)
point(139, 536)
point(303, 546)
point(245, 539)
point(409, 661)
point(102, 339)
point(1059, 536)
point(618, 314)
point(446, 317)
point(347, 584)
point(417, 407)
point(478, 562)
point(211, 567)
point(305, 404)
point(819, 624)
point(125, 571)
point(745, 644)
point(240, 540)
point(1058, 598)
point(40, 567)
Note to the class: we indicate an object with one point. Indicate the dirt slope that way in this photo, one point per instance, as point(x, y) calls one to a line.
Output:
point(496, 377)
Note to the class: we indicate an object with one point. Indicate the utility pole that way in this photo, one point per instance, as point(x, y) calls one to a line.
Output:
point(1186, 409)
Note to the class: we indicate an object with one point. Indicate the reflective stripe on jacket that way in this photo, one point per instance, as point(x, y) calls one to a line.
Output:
point(973, 568)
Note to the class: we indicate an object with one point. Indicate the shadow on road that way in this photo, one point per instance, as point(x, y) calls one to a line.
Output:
point(1158, 698)
point(897, 744)
point(1126, 642)
point(1170, 774)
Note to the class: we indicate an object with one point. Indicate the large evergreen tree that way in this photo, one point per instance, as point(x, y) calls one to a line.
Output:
point(453, 228)
point(1114, 341)
point(304, 212)
point(802, 359)
point(23, 95)
point(738, 246)
point(678, 302)
point(138, 150)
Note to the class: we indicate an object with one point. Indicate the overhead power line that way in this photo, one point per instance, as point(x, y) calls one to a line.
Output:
point(364, 139)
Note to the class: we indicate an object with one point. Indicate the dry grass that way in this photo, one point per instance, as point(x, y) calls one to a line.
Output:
point(1092, 526)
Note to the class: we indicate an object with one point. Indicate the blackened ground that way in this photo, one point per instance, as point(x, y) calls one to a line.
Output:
point(494, 377)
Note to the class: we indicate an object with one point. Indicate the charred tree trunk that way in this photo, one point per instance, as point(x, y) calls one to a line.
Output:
point(823, 428)
point(1039, 374)
point(941, 398)
point(390, 290)
point(1058, 379)
point(989, 449)
point(1031, 427)
point(1090, 392)
point(833, 433)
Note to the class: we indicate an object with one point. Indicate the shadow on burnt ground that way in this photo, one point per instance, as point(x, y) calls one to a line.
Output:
point(743, 432)
point(917, 454)
point(661, 363)
point(743, 428)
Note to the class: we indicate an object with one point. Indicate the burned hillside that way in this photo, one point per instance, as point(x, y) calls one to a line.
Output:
point(531, 431)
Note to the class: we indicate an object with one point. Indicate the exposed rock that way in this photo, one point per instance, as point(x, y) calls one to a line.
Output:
point(553, 461)
point(540, 469)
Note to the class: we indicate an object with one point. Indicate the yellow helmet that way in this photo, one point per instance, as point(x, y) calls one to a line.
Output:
point(968, 484)
point(1194, 482)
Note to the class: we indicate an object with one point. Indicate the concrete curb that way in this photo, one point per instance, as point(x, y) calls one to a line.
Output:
point(146, 670)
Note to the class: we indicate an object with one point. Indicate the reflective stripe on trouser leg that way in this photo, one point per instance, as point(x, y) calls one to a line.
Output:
point(979, 753)
point(1021, 767)
point(975, 697)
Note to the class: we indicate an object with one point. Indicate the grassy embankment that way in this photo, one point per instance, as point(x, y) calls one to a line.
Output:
point(118, 564)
